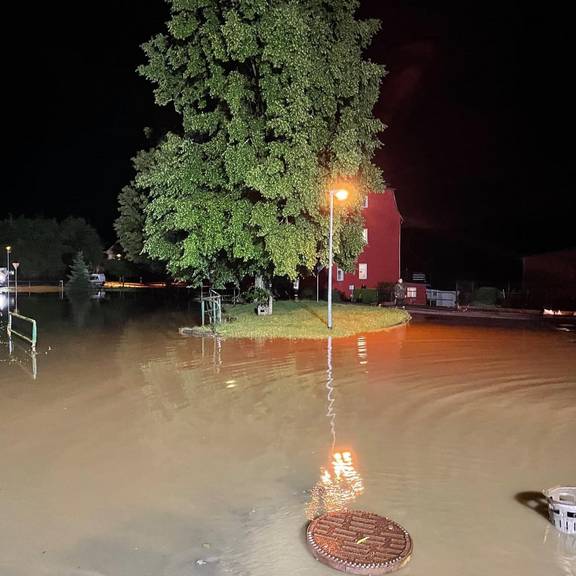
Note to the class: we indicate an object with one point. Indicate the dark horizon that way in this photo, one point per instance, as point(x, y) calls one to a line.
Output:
point(477, 103)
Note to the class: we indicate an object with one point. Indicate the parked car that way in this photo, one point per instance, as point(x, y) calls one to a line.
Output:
point(97, 280)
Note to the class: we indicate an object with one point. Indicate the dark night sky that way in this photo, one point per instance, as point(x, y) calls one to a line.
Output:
point(478, 101)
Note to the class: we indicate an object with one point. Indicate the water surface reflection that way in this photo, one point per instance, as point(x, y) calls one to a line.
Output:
point(138, 451)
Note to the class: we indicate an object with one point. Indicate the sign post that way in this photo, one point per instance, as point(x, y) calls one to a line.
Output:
point(16, 264)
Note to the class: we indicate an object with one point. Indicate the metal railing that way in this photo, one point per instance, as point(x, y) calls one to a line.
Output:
point(34, 337)
point(211, 306)
point(232, 297)
point(15, 352)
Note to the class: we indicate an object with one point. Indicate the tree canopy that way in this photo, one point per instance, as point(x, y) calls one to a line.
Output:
point(129, 225)
point(79, 236)
point(275, 100)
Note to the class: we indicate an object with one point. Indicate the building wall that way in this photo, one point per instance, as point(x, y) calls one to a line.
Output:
point(415, 294)
point(549, 280)
point(381, 256)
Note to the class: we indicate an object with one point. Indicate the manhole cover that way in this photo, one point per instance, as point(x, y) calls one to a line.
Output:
point(359, 542)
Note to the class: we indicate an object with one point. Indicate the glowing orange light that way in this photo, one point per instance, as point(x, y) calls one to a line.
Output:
point(335, 489)
point(341, 194)
point(549, 312)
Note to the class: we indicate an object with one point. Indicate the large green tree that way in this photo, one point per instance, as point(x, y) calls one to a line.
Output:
point(129, 225)
point(276, 103)
point(132, 202)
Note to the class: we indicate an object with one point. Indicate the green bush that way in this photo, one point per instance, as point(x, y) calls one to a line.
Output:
point(257, 295)
point(487, 296)
point(308, 294)
point(386, 292)
point(366, 295)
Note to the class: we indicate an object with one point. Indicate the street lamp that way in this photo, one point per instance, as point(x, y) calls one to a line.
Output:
point(8, 250)
point(341, 194)
point(16, 264)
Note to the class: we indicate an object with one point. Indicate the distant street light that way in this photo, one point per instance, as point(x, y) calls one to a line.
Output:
point(341, 194)
point(16, 264)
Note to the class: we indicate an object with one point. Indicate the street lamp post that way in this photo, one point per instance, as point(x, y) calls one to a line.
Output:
point(8, 249)
point(341, 194)
point(16, 264)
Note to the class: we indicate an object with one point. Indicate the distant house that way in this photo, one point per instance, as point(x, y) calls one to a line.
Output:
point(114, 252)
point(379, 262)
point(549, 280)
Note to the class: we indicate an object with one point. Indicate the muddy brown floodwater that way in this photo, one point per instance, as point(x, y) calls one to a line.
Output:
point(139, 452)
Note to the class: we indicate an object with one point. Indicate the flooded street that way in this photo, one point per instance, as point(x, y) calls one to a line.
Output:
point(140, 452)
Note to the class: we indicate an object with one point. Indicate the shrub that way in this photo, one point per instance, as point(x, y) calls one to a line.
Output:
point(366, 295)
point(308, 294)
point(386, 292)
point(487, 296)
point(257, 295)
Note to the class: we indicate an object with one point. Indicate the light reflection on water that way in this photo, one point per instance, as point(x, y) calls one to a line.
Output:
point(136, 447)
point(340, 483)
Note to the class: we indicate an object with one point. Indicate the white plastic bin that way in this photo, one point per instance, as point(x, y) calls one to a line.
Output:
point(562, 507)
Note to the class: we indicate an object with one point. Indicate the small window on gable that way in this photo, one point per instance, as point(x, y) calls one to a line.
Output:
point(365, 235)
point(366, 201)
point(363, 271)
point(339, 275)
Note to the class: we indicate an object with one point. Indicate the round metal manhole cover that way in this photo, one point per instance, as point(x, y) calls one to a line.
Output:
point(359, 542)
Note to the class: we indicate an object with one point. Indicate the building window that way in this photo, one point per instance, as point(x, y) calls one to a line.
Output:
point(366, 201)
point(339, 275)
point(363, 271)
point(365, 235)
point(411, 292)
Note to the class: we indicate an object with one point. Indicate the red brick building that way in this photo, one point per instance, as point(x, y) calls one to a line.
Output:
point(380, 260)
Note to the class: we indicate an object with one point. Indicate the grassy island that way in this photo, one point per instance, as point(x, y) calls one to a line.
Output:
point(307, 319)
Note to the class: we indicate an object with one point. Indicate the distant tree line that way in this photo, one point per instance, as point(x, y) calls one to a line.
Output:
point(46, 248)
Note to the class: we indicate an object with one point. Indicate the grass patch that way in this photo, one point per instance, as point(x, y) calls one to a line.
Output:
point(308, 320)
